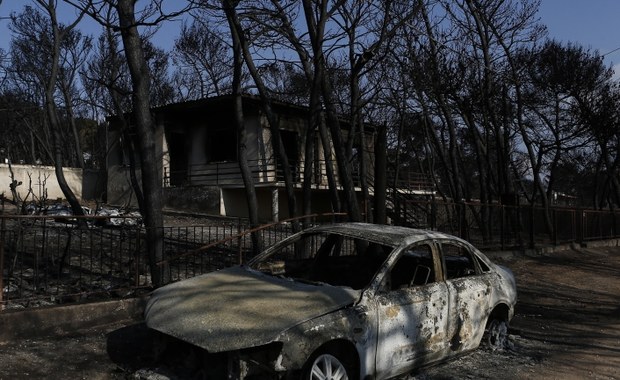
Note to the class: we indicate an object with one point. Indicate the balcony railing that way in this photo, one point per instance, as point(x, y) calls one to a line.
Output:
point(270, 171)
point(228, 173)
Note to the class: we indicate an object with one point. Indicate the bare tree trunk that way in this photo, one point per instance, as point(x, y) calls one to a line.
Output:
point(316, 31)
point(52, 116)
point(246, 173)
point(78, 154)
point(151, 182)
point(316, 118)
point(538, 186)
point(452, 159)
point(344, 166)
point(130, 144)
point(380, 198)
point(329, 166)
point(32, 147)
point(130, 150)
point(233, 20)
point(309, 160)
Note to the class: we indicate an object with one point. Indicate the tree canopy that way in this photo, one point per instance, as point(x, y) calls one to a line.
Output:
point(474, 94)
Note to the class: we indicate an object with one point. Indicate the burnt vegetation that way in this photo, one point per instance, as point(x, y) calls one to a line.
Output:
point(473, 96)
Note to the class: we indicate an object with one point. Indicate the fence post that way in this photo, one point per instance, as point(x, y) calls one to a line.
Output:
point(463, 220)
point(582, 222)
point(433, 214)
point(574, 226)
point(555, 227)
point(239, 240)
point(137, 255)
point(532, 227)
point(502, 226)
point(138, 232)
point(2, 230)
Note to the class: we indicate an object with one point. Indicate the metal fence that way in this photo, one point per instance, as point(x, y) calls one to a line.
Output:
point(46, 261)
point(494, 226)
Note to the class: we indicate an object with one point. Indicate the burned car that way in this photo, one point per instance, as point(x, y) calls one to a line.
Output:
point(341, 301)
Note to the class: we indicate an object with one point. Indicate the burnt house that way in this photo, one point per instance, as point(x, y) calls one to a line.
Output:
point(197, 142)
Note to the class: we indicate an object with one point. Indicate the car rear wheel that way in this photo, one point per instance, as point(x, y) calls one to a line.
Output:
point(327, 367)
point(497, 335)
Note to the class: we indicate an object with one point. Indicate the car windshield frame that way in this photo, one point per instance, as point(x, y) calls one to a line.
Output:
point(334, 258)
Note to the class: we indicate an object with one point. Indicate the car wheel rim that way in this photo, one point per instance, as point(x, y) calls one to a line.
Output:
point(328, 367)
point(498, 332)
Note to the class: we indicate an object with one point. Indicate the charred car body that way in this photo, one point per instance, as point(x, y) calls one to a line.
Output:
point(340, 301)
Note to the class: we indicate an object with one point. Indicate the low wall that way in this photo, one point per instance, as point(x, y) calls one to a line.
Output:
point(40, 179)
point(198, 199)
point(67, 319)
point(119, 190)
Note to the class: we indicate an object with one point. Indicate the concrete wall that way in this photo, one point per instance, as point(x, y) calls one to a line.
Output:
point(67, 319)
point(93, 184)
point(120, 192)
point(42, 178)
point(234, 202)
point(198, 199)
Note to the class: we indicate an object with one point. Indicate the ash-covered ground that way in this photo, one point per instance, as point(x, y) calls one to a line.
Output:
point(566, 326)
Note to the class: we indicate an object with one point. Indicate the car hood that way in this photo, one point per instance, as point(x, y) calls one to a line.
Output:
point(238, 308)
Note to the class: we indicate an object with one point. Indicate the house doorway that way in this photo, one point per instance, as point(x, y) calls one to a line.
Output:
point(290, 141)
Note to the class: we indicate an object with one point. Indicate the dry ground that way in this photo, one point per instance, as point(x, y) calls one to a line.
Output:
point(567, 326)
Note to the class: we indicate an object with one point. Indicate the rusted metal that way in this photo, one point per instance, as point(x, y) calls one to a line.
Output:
point(238, 236)
point(301, 303)
point(499, 226)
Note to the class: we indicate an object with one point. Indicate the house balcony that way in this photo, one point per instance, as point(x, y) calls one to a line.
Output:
point(265, 172)
point(269, 172)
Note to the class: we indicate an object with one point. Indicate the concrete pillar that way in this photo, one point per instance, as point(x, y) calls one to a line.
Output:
point(275, 210)
point(222, 205)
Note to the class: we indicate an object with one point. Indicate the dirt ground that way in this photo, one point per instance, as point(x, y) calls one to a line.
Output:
point(566, 326)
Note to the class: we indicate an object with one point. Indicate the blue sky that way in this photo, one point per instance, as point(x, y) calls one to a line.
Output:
point(591, 23)
point(66, 14)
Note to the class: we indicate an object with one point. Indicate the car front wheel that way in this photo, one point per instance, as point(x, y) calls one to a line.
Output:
point(327, 367)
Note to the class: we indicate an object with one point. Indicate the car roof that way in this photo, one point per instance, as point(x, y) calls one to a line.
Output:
point(383, 234)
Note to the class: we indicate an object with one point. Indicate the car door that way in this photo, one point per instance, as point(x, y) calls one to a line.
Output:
point(469, 287)
point(412, 313)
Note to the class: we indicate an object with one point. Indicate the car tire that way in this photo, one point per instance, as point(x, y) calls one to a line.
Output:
point(497, 335)
point(326, 366)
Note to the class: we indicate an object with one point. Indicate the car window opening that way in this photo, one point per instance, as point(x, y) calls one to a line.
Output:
point(327, 258)
point(413, 268)
point(458, 260)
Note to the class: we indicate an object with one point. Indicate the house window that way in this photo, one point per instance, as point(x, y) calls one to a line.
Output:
point(222, 145)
